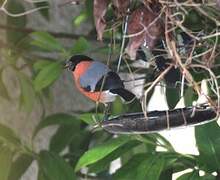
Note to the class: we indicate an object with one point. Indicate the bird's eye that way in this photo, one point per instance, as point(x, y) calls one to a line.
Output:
point(71, 66)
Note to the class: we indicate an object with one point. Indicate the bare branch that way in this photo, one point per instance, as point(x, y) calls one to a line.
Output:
point(3, 9)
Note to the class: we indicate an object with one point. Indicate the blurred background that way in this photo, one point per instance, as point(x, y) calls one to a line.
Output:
point(46, 125)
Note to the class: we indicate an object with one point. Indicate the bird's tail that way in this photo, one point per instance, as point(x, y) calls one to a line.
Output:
point(125, 94)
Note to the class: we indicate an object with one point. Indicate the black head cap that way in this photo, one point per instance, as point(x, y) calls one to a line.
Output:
point(74, 60)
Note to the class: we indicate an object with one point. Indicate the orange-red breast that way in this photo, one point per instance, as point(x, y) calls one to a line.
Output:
point(96, 81)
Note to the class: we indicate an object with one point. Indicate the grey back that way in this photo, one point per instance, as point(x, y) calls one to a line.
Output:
point(93, 74)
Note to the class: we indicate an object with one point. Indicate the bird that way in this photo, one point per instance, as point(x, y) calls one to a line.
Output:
point(96, 80)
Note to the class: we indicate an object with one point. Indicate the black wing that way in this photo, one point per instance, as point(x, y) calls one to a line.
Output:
point(109, 82)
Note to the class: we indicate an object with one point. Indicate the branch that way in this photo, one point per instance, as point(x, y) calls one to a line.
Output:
point(3, 8)
point(156, 121)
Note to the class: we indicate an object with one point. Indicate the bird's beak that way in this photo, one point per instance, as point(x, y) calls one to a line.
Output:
point(66, 65)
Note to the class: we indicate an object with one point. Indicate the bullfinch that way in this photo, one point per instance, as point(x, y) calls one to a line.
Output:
point(96, 80)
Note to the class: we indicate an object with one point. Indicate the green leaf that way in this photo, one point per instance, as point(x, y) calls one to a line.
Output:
point(44, 12)
point(41, 176)
point(129, 170)
point(53, 167)
point(172, 96)
point(104, 163)
point(189, 96)
point(154, 168)
point(207, 177)
point(194, 175)
point(149, 142)
point(40, 64)
point(142, 166)
point(27, 98)
point(77, 148)
point(81, 18)
point(13, 37)
point(64, 135)
point(117, 107)
point(8, 136)
point(151, 168)
point(89, 9)
point(147, 139)
point(193, 21)
point(3, 89)
point(101, 151)
point(177, 161)
point(47, 76)
point(6, 156)
point(19, 166)
point(88, 118)
point(55, 119)
point(166, 174)
point(46, 41)
point(80, 46)
point(208, 143)
point(163, 141)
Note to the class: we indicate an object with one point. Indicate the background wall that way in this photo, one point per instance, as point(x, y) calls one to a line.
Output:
point(65, 96)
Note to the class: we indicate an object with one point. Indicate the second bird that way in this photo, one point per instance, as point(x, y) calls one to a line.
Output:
point(96, 81)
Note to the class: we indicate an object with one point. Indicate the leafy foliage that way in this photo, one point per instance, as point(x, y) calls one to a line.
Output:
point(100, 152)
point(77, 150)
point(209, 151)
point(3, 90)
point(55, 119)
point(45, 41)
point(19, 166)
point(47, 75)
point(15, 37)
point(44, 12)
point(28, 94)
point(54, 167)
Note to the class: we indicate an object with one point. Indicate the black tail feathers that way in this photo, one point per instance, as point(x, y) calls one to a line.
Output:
point(125, 94)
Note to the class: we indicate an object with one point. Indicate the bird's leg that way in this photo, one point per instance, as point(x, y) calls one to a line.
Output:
point(106, 111)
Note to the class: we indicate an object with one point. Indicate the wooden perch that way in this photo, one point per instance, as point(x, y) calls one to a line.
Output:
point(159, 120)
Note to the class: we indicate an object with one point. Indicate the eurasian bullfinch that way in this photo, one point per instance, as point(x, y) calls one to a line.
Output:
point(96, 81)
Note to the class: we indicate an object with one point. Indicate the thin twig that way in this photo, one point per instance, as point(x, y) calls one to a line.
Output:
point(3, 9)
point(158, 79)
point(123, 41)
